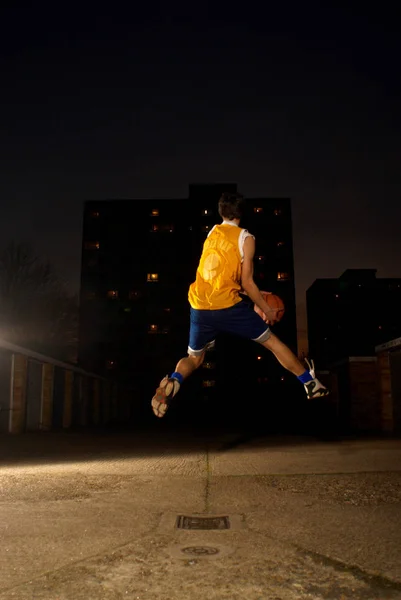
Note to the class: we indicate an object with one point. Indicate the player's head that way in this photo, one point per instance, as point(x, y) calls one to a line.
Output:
point(231, 206)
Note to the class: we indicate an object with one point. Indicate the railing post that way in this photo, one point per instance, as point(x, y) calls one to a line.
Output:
point(106, 402)
point(84, 400)
point(114, 403)
point(68, 390)
point(19, 370)
point(47, 396)
point(96, 402)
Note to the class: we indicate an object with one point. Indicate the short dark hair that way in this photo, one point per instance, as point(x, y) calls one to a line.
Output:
point(231, 206)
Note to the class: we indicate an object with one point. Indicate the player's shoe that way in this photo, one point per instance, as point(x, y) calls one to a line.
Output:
point(166, 391)
point(314, 388)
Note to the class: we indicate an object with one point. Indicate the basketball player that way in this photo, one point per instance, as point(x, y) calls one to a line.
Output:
point(225, 270)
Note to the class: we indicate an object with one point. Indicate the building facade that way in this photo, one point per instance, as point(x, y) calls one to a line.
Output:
point(138, 260)
point(351, 315)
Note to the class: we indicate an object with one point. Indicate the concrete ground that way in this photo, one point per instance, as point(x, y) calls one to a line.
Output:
point(93, 516)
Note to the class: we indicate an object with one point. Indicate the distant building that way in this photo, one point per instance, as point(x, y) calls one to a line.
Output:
point(138, 260)
point(351, 315)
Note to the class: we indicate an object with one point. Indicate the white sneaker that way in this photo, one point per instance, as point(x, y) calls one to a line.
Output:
point(166, 391)
point(314, 388)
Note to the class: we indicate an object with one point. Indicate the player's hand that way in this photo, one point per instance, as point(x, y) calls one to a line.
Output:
point(272, 317)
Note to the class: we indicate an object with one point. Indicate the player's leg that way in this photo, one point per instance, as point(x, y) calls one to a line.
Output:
point(170, 385)
point(314, 388)
point(242, 320)
point(201, 338)
point(284, 355)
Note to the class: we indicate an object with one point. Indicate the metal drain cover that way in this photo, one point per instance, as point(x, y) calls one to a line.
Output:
point(200, 551)
point(203, 523)
point(186, 522)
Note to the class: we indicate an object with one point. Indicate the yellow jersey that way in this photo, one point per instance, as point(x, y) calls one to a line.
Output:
point(218, 277)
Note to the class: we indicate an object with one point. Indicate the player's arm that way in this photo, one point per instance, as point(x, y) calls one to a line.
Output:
point(248, 284)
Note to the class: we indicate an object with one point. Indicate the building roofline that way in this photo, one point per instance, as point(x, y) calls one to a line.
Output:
point(353, 359)
point(391, 345)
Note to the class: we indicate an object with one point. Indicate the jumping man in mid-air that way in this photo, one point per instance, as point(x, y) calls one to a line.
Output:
point(226, 269)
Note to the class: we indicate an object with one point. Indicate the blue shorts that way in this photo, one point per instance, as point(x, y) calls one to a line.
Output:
point(240, 319)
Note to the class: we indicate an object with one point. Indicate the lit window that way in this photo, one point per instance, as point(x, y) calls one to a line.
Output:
point(133, 294)
point(110, 364)
point(153, 277)
point(95, 214)
point(113, 294)
point(153, 328)
point(278, 212)
point(337, 295)
point(92, 245)
point(260, 259)
point(155, 212)
point(158, 227)
point(259, 358)
point(208, 383)
point(209, 365)
point(258, 209)
point(206, 212)
point(283, 276)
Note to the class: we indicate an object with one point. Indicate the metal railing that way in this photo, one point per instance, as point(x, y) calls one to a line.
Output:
point(39, 393)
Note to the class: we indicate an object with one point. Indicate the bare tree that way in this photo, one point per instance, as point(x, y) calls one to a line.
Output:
point(36, 309)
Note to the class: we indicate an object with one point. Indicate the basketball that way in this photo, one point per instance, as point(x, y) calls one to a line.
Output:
point(273, 301)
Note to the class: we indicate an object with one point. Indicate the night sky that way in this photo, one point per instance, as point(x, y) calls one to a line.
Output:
point(302, 102)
